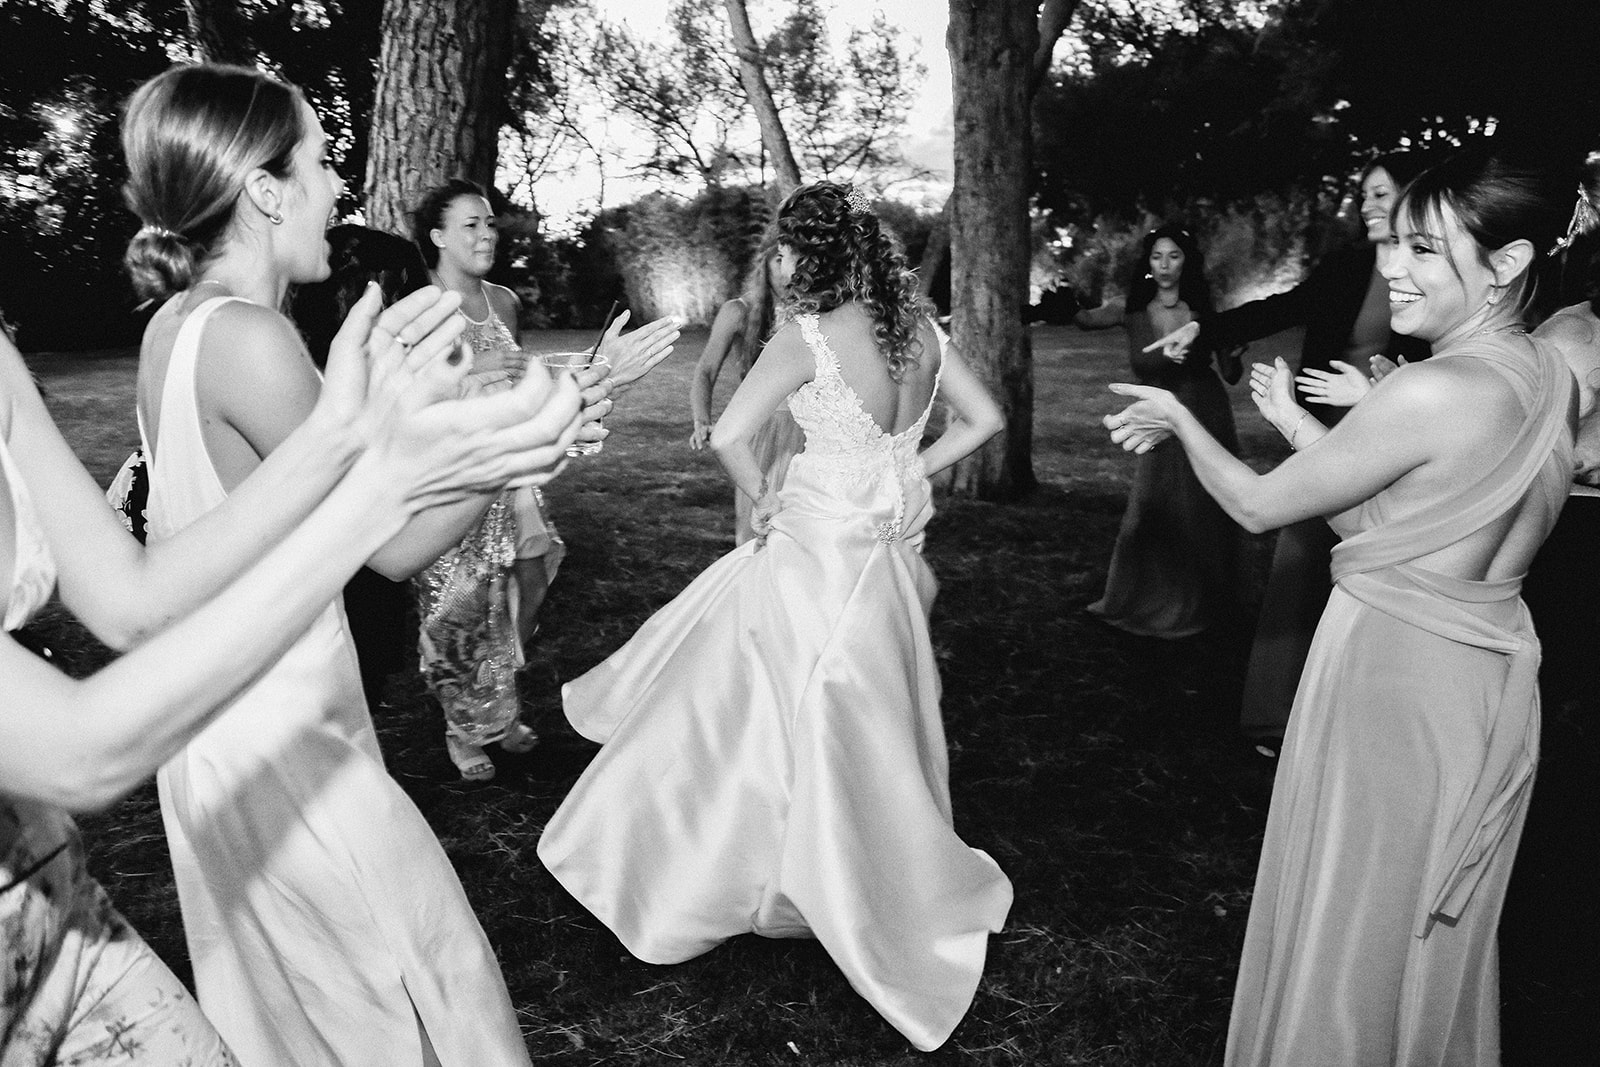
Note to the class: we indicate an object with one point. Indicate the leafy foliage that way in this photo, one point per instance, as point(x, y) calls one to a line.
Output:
point(841, 113)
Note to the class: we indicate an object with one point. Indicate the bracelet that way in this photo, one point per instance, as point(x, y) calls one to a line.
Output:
point(1304, 415)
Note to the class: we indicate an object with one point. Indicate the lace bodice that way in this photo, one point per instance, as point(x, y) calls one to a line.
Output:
point(843, 443)
point(33, 571)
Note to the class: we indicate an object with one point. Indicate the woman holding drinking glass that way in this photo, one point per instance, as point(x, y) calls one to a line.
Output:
point(1405, 773)
point(479, 602)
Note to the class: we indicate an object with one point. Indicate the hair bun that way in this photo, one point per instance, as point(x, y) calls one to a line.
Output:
point(160, 262)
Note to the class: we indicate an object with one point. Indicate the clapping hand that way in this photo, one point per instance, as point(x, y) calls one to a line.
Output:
point(1146, 422)
point(1175, 345)
point(1342, 389)
point(380, 352)
point(1383, 366)
point(633, 356)
point(1270, 388)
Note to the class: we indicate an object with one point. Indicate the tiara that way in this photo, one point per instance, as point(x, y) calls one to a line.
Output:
point(1584, 219)
point(857, 201)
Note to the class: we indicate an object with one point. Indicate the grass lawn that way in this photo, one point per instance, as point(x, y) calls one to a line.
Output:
point(1104, 773)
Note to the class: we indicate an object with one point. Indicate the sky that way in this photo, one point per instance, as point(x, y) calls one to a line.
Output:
point(929, 128)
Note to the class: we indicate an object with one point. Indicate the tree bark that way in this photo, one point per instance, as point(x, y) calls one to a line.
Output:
point(440, 102)
point(999, 54)
point(219, 32)
point(752, 74)
point(992, 46)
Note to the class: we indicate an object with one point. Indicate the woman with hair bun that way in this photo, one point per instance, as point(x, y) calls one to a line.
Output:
point(773, 759)
point(1406, 771)
point(324, 922)
point(1175, 567)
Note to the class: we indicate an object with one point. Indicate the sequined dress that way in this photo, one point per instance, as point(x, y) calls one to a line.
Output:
point(467, 600)
point(773, 755)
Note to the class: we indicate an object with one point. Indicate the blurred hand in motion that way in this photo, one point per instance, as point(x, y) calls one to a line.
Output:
point(1341, 389)
point(1175, 345)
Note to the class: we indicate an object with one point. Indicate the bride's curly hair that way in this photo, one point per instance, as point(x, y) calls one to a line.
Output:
point(843, 254)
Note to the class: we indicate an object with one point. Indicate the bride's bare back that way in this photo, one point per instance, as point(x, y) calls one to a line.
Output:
point(893, 405)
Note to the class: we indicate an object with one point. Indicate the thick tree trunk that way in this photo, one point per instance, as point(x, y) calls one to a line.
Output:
point(992, 45)
point(219, 32)
point(752, 75)
point(441, 100)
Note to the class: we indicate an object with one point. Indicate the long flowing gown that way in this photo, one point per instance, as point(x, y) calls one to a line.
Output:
point(1405, 777)
point(77, 984)
point(323, 919)
point(1174, 569)
point(774, 759)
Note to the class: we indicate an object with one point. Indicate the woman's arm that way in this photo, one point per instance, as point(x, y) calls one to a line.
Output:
point(81, 744)
point(719, 346)
point(123, 591)
point(1391, 433)
point(974, 416)
point(785, 365)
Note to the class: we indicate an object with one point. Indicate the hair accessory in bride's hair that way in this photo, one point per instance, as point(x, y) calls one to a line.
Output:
point(857, 201)
point(1584, 219)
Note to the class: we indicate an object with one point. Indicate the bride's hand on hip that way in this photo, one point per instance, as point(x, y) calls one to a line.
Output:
point(762, 513)
point(1145, 423)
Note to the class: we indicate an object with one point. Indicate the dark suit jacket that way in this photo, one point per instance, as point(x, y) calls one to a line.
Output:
point(1326, 304)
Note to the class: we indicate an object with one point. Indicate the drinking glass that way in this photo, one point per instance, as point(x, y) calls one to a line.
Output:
point(572, 363)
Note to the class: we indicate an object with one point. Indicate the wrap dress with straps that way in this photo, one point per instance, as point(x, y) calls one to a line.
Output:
point(1405, 776)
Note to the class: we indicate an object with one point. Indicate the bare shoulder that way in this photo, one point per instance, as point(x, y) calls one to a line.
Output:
point(505, 301)
point(1442, 392)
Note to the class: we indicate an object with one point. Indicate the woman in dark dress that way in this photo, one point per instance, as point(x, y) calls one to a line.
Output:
point(1174, 570)
point(1343, 305)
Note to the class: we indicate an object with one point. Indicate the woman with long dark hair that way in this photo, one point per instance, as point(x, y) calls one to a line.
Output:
point(1174, 568)
point(773, 759)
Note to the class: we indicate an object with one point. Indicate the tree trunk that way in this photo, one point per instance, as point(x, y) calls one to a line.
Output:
point(440, 102)
point(1054, 18)
point(992, 45)
point(219, 32)
point(774, 138)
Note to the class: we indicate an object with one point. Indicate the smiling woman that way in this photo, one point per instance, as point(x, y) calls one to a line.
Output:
point(1406, 770)
point(323, 919)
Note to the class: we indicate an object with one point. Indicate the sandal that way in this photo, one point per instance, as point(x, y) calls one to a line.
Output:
point(519, 738)
point(469, 759)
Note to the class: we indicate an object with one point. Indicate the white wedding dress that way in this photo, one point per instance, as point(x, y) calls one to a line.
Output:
point(323, 919)
point(774, 760)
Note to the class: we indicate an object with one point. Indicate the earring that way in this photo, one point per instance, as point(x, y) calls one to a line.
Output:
point(276, 218)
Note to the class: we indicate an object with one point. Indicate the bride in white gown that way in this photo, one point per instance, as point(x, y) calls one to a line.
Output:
point(774, 759)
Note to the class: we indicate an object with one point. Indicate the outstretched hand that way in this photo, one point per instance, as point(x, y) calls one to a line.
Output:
point(1145, 423)
point(633, 356)
point(1175, 345)
point(1342, 389)
point(1271, 389)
